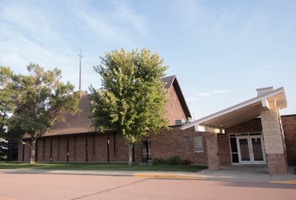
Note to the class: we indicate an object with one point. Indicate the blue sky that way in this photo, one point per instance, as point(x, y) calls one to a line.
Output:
point(220, 51)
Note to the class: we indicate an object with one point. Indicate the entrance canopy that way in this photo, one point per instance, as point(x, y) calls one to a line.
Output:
point(241, 112)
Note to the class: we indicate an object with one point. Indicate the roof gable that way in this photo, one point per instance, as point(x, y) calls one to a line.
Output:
point(171, 81)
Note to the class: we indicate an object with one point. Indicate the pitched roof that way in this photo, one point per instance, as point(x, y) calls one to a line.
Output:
point(168, 80)
point(241, 112)
point(81, 123)
point(78, 123)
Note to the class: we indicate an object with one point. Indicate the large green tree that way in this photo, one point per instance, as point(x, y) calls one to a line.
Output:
point(34, 102)
point(132, 97)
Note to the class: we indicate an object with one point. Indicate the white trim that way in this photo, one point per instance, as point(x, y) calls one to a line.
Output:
point(200, 128)
point(265, 104)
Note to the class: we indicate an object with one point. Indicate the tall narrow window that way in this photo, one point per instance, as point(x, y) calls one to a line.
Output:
point(198, 147)
point(146, 150)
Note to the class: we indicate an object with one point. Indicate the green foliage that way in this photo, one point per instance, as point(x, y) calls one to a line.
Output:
point(185, 162)
point(35, 101)
point(8, 150)
point(133, 97)
point(3, 150)
point(159, 161)
point(174, 160)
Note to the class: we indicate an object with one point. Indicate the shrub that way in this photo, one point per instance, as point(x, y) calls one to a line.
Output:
point(185, 162)
point(174, 160)
point(159, 161)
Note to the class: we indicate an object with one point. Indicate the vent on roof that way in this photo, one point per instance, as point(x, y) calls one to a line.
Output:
point(180, 122)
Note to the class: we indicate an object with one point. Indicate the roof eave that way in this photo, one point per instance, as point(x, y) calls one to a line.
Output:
point(278, 95)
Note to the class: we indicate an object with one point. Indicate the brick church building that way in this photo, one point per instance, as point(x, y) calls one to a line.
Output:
point(252, 132)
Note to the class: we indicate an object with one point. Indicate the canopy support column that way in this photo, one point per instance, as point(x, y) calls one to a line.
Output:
point(272, 129)
point(212, 151)
point(274, 140)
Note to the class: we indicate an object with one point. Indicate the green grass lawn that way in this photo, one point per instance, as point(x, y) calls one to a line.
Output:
point(102, 166)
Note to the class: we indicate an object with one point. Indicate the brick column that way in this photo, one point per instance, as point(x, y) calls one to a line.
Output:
point(212, 151)
point(273, 137)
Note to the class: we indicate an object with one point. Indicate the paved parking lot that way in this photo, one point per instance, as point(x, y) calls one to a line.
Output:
point(86, 187)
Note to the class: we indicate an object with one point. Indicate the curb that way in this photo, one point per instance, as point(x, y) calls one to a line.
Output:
point(284, 182)
point(166, 176)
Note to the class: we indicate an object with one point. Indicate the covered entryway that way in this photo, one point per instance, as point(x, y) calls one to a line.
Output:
point(247, 148)
point(268, 147)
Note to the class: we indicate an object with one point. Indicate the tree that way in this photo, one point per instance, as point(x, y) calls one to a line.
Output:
point(132, 97)
point(35, 102)
point(3, 150)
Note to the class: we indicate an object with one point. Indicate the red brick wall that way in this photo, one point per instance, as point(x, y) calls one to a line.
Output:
point(171, 143)
point(79, 147)
point(177, 143)
point(71, 148)
point(212, 151)
point(121, 149)
point(62, 155)
point(253, 125)
point(39, 148)
point(26, 150)
point(289, 126)
point(174, 108)
point(76, 144)
point(276, 163)
point(101, 147)
point(46, 149)
point(224, 149)
point(54, 149)
point(20, 152)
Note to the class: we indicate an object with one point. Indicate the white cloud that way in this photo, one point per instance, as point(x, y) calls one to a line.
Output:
point(104, 30)
point(221, 91)
point(203, 94)
point(189, 11)
point(135, 20)
point(200, 95)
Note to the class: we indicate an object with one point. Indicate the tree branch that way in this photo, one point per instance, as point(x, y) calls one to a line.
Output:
point(25, 143)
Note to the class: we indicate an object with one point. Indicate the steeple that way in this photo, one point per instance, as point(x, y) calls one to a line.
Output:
point(80, 56)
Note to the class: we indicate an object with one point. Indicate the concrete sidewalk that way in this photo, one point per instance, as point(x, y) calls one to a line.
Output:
point(234, 174)
point(248, 173)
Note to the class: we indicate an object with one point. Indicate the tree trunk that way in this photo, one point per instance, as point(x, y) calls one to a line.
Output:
point(130, 153)
point(33, 152)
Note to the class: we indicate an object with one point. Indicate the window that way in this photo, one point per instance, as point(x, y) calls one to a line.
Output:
point(198, 147)
point(146, 147)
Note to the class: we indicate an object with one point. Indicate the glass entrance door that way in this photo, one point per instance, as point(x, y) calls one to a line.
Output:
point(244, 148)
point(250, 150)
point(257, 150)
